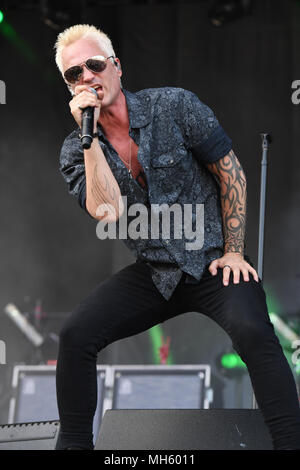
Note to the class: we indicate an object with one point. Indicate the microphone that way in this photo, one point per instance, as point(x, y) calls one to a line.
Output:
point(87, 125)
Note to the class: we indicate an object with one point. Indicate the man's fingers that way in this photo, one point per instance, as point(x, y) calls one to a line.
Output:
point(251, 270)
point(80, 88)
point(236, 275)
point(226, 275)
point(238, 270)
point(254, 273)
point(81, 101)
point(213, 268)
point(245, 274)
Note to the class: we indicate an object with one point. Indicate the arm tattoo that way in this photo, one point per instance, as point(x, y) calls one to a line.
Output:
point(233, 193)
point(102, 193)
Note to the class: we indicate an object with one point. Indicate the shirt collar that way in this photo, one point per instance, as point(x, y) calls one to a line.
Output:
point(138, 109)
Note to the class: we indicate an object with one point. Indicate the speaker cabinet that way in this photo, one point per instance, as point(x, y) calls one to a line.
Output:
point(184, 429)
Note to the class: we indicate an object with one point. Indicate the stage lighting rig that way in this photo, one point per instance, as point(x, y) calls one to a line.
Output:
point(225, 11)
point(60, 14)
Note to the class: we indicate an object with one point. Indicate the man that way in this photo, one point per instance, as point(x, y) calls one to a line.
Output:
point(160, 146)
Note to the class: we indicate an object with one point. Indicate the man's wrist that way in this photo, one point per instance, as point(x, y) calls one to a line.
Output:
point(234, 246)
point(230, 252)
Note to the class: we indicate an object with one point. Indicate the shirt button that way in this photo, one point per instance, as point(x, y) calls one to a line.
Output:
point(144, 253)
point(167, 242)
point(171, 161)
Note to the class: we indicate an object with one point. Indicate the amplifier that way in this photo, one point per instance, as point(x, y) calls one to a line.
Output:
point(34, 395)
point(119, 387)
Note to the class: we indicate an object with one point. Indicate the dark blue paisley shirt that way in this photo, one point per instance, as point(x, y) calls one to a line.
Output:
point(177, 135)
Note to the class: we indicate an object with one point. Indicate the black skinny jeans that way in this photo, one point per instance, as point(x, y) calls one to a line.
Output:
point(129, 303)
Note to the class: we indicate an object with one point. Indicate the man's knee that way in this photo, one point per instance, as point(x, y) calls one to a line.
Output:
point(250, 324)
point(77, 336)
point(70, 334)
point(253, 335)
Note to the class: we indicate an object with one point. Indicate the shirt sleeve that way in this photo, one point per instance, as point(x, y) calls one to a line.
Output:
point(203, 133)
point(71, 166)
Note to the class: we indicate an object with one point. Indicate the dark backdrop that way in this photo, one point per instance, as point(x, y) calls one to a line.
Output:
point(243, 71)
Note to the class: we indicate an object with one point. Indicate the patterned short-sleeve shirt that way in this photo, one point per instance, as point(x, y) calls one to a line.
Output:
point(177, 136)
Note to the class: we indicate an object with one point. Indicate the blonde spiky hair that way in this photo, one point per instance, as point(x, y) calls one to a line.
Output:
point(79, 31)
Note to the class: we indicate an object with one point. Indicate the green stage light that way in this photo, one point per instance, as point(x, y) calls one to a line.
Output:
point(1, 16)
point(232, 361)
point(156, 338)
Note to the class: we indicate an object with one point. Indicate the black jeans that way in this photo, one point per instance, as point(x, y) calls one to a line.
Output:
point(129, 303)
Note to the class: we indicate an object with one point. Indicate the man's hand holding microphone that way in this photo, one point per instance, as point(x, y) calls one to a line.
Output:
point(85, 108)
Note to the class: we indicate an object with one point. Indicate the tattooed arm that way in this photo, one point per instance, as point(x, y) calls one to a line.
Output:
point(232, 181)
point(103, 201)
point(233, 194)
point(103, 196)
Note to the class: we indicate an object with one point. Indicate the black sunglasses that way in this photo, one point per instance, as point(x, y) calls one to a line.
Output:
point(96, 64)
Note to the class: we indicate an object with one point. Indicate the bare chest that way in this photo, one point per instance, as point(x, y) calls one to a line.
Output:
point(128, 152)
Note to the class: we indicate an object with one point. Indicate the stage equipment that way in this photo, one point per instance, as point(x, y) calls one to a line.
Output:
point(29, 436)
point(183, 430)
point(127, 387)
point(224, 11)
point(266, 140)
point(34, 395)
point(23, 324)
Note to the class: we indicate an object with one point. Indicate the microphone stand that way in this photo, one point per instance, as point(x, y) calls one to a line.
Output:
point(266, 140)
